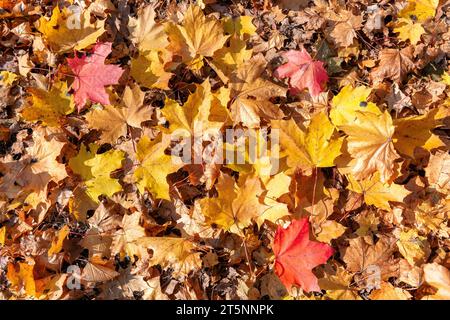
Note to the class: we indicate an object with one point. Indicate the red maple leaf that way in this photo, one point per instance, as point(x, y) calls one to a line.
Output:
point(303, 72)
point(296, 255)
point(92, 75)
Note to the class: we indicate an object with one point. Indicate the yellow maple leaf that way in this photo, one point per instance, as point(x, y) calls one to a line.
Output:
point(237, 203)
point(49, 106)
point(230, 58)
point(149, 68)
point(154, 166)
point(23, 279)
point(348, 101)
point(70, 30)
point(388, 292)
point(330, 230)
point(176, 253)
point(95, 169)
point(370, 143)
point(114, 122)
point(239, 25)
point(313, 148)
point(377, 193)
point(421, 10)
point(145, 32)
point(57, 242)
point(407, 29)
point(415, 131)
point(202, 111)
point(338, 285)
point(2, 235)
point(413, 247)
point(7, 78)
point(198, 37)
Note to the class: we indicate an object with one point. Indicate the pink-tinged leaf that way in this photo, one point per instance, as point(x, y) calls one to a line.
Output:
point(92, 75)
point(296, 255)
point(303, 72)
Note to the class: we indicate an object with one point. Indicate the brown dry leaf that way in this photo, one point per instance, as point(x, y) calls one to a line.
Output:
point(114, 122)
point(439, 277)
point(394, 64)
point(363, 256)
point(250, 93)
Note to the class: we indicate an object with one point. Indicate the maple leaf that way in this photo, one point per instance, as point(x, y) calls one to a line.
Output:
point(420, 9)
point(237, 203)
point(92, 75)
point(407, 29)
point(149, 69)
point(361, 255)
point(198, 37)
point(439, 277)
point(394, 64)
point(124, 241)
point(388, 292)
point(296, 255)
point(48, 106)
point(7, 78)
point(197, 114)
point(23, 278)
point(338, 285)
point(370, 143)
point(348, 101)
point(239, 25)
point(415, 131)
point(114, 122)
point(147, 33)
point(313, 148)
point(57, 243)
point(230, 58)
point(63, 36)
point(176, 253)
point(93, 272)
point(376, 192)
point(95, 169)
point(303, 72)
point(33, 172)
point(343, 30)
point(438, 171)
point(413, 247)
point(250, 92)
point(154, 166)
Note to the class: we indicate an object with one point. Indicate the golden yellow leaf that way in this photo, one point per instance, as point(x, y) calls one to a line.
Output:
point(415, 131)
point(23, 279)
point(7, 78)
point(407, 29)
point(422, 10)
point(2, 235)
point(413, 247)
point(389, 292)
point(176, 253)
point(114, 122)
point(377, 193)
point(239, 25)
point(198, 37)
point(154, 166)
point(69, 30)
point(145, 32)
point(237, 203)
point(348, 101)
point(95, 169)
point(370, 143)
point(330, 230)
point(314, 147)
point(58, 241)
point(149, 69)
point(49, 106)
point(338, 287)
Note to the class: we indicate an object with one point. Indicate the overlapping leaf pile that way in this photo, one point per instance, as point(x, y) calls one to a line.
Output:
point(356, 202)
